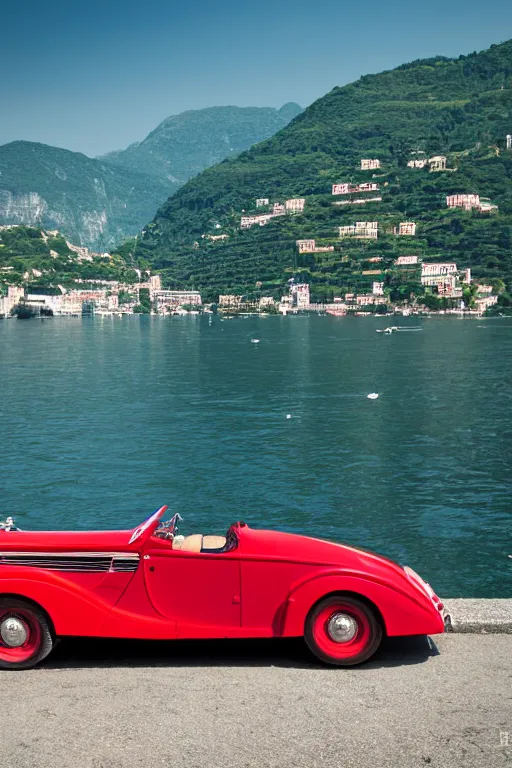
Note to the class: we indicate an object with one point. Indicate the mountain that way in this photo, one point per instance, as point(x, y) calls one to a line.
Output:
point(460, 108)
point(184, 145)
point(92, 202)
point(98, 202)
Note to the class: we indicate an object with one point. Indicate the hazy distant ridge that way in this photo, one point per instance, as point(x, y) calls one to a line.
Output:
point(184, 145)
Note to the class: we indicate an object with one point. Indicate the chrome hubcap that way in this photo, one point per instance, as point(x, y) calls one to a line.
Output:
point(341, 627)
point(14, 632)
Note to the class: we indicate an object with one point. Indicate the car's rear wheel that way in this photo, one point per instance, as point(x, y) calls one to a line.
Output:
point(25, 636)
point(343, 631)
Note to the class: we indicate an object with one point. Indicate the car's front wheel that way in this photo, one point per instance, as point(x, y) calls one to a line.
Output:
point(25, 636)
point(343, 631)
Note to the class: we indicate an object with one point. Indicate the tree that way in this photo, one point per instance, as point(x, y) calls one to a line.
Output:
point(469, 294)
point(431, 301)
point(124, 297)
point(144, 302)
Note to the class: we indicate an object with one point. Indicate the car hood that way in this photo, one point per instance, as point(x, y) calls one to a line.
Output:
point(66, 541)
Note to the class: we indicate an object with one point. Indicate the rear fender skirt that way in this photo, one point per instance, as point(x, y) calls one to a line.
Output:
point(404, 611)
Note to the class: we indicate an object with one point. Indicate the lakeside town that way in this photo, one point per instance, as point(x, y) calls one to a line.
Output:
point(112, 297)
point(147, 295)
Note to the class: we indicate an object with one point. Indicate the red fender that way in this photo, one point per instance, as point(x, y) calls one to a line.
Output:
point(76, 610)
point(404, 612)
point(55, 595)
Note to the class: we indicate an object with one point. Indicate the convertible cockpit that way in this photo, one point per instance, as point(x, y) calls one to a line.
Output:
point(199, 543)
point(196, 542)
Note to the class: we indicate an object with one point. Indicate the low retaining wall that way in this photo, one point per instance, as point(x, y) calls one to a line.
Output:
point(479, 615)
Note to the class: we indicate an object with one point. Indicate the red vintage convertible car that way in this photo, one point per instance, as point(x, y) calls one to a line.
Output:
point(152, 583)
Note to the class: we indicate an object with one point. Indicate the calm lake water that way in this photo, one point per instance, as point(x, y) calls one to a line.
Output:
point(104, 419)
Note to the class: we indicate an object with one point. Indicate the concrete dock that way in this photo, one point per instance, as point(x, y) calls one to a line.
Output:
point(479, 615)
point(443, 702)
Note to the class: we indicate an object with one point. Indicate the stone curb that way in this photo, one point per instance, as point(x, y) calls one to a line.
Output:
point(479, 615)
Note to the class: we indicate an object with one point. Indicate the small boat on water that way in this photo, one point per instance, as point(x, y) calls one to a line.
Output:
point(393, 328)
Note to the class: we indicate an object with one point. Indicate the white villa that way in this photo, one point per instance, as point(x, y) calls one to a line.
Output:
point(361, 229)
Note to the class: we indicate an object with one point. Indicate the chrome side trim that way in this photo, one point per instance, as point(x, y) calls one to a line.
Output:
point(78, 562)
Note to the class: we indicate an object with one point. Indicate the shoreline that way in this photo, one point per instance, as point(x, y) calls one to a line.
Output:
point(303, 313)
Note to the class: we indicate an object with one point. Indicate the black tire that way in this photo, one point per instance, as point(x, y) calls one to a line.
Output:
point(360, 648)
point(40, 639)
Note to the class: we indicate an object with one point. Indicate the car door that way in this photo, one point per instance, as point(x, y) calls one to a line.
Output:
point(200, 591)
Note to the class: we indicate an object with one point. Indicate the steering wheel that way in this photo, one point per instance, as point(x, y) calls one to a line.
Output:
point(168, 530)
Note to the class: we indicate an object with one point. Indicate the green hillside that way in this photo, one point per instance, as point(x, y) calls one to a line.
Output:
point(29, 255)
point(458, 108)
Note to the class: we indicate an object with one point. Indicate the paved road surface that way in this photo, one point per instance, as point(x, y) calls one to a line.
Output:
point(232, 704)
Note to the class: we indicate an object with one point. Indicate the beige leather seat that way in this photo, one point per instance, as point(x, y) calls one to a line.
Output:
point(197, 542)
point(192, 543)
point(214, 542)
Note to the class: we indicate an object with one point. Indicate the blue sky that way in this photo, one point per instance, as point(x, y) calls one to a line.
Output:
point(94, 76)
